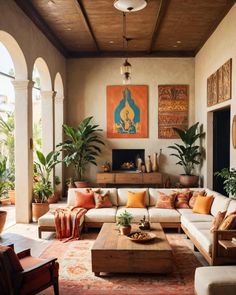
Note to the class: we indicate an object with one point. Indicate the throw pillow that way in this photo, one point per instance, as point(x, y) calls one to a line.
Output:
point(136, 200)
point(84, 200)
point(203, 204)
point(229, 222)
point(166, 201)
point(102, 200)
point(216, 222)
point(194, 197)
point(182, 199)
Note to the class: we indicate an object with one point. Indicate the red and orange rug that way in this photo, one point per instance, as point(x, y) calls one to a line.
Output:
point(77, 278)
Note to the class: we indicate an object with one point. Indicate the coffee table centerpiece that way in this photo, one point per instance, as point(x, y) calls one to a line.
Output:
point(124, 222)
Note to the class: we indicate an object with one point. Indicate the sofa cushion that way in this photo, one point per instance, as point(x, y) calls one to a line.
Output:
point(203, 204)
point(102, 200)
point(216, 222)
point(123, 195)
point(137, 213)
point(194, 197)
point(182, 199)
point(154, 194)
point(84, 200)
point(136, 199)
point(71, 195)
point(231, 207)
point(185, 211)
point(220, 203)
point(166, 201)
point(163, 215)
point(195, 217)
point(215, 280)
point(101, 215)
point(48, 219)
point(229, 222)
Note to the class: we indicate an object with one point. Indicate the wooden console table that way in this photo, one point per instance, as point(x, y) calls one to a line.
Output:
point(114, 178)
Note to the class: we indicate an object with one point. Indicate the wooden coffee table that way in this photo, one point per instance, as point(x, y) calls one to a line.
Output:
point(115, 253)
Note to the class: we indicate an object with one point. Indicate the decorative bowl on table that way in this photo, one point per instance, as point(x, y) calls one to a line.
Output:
point(141, 237)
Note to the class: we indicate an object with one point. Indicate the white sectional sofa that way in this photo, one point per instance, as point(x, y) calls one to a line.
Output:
point(196, 226)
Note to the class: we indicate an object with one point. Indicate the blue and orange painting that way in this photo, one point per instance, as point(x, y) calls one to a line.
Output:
point(127, 111)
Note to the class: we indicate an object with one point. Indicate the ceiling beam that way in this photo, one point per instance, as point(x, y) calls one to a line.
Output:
point(215, 24)
point(121, 54)
point(87, 23)
point(159, 20)
point(36, 18)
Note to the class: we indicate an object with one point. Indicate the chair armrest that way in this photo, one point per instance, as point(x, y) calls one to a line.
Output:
point(23, 253)
point(32, 269)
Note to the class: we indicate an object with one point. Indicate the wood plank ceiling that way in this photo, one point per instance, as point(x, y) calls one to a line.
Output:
point(82, 28)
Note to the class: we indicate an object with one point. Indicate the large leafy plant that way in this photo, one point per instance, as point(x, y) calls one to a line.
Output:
point(188, 153)
point(229, 176)
point(4, 176)
point(82, 146)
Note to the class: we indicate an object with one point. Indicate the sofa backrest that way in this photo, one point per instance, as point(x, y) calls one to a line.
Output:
point(231, 207)
point(123, 195)
point(220, 202)
point(71, 195)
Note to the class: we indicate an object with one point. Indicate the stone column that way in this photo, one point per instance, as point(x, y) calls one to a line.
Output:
point(59, 121)
point(23, 149)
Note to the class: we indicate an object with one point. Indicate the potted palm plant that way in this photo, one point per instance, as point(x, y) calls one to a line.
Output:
point(124, 222)
point(81, 148)
point(188, 154)
point(229, 177)
point(3, 189)
point(42, 187)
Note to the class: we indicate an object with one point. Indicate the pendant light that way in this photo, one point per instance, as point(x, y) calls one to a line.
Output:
point(130, 5)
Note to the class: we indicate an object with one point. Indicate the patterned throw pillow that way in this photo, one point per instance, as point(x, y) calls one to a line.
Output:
point(203, 204)
point(216, 222)
point(136, 200)
point(166, 201)
point(229, 222)
point(182, 199)
point(84, 200)
point(102, 200)
point(194, 197)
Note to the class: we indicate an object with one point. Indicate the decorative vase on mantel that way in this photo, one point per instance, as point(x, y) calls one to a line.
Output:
point(154, 163)
point(149, 164)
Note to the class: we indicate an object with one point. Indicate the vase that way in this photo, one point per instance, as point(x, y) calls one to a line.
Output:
point(143, 167)
point(38, 210)
point(149, 164)
point(154, 163)
point(139, 164)
point(125, 230)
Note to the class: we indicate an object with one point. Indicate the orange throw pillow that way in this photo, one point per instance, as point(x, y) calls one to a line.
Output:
point(84, 200)
point(229, 222)
point(203, 204)
point(216, 222)
point(136, 200)
point(194, 197)
point(102, 200)
point(182, 199)
point(166, 201)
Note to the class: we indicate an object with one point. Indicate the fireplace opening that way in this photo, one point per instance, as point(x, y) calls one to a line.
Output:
point(126, 159)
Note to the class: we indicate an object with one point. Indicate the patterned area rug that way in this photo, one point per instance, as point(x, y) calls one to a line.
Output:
point(76, 276)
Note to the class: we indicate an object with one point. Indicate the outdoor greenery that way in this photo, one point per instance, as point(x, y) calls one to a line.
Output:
point(188, 153)
point(81, 147)
point(124, 218)
point(4, 177)
point(229, 176)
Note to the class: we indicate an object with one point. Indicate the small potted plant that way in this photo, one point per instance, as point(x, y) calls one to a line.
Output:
point(124, 222)
point(188, 154)
point(229, 176)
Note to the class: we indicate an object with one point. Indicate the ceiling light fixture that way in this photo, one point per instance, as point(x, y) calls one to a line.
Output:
point(130, 5)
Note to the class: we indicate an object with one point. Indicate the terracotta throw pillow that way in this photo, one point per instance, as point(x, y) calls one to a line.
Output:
point(84, 200)
point(216, 222)
point(182, 199)
point(136, 200)
point(102, 200)
point(194, 197)
point(229, 222)
point(203, 204)
point(166, 201)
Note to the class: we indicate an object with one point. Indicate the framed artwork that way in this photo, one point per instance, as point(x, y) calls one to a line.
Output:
point(227, 73)
point(173, 101)
point(127, 111)
point(220, 84)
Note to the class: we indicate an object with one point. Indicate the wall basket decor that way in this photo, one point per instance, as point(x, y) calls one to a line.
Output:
point(234, 132)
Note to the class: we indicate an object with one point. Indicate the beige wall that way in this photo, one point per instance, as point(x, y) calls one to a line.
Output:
point(87, 80)
point(217, 50)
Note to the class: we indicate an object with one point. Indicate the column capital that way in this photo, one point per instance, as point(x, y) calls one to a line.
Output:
point(48, 94)
point(22, 84)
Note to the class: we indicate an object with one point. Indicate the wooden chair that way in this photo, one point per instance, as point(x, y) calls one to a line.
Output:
point(22, 274)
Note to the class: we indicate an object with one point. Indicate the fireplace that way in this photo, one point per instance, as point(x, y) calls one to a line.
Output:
point(125, 159)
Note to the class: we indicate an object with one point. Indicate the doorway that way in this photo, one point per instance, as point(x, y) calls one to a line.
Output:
point(221, 146)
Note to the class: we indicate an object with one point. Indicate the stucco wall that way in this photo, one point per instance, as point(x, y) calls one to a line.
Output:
point(217, 50)
point(87, 80)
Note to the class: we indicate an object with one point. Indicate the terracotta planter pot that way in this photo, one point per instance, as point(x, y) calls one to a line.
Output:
point(81, 184)
point(3, 215)
point(38, 210)
point(54, 198)
point(12, 196)
point(125, 230)
point(188, 180)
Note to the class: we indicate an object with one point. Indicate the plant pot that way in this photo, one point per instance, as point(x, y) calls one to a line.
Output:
point(54, 198)
point(81, 184)
point(5, 201)
point(3, 215)
point(38, 210)
point(188, 180)
point(125, 230)
point(12, 196)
